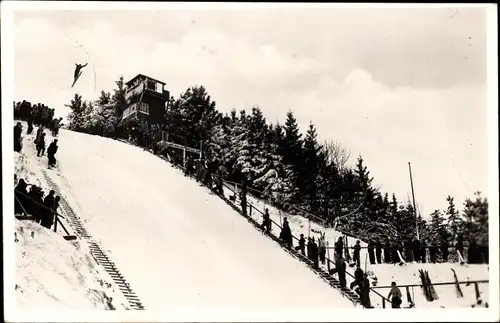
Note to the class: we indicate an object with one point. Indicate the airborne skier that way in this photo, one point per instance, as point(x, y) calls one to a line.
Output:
point(78, 72)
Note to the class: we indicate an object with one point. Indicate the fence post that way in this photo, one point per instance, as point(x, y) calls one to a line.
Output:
point(383, 302)
point(55, 223)
point(328, 260)
point(250, 211)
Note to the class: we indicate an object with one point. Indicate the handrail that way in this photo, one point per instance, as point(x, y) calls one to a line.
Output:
point(436, 284)
point(38, 203)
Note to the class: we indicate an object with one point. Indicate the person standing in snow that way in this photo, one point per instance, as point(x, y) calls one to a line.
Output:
point(315, 253)
point(371, 254)
point(387, 251)
point(18, 139)
point(302, 244)
point(39, 132)
point(365, 292)
point(266, 221)
point(40, 146)
point(358, 277)
point(378, 251)
point(423, 251)
point(322, 249)
point(47, 216)
point(51, 152)
point(395, 296)
point(341, 267)
point(20, 194)
point(309, 248)
point(416, 249)
point(356, 254)
point(445, 249)
point(339, 246)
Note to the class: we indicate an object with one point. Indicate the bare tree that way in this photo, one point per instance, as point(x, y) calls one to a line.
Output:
point(337, 154)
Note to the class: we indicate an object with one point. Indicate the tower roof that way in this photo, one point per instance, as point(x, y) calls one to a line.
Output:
point(143, 76)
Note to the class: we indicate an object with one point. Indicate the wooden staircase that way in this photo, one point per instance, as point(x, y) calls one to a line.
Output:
point(96, 251)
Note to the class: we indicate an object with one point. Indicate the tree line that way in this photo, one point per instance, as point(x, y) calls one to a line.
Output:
point(292, 168)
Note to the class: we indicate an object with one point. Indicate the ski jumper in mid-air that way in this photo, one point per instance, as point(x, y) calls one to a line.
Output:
point(78, 72)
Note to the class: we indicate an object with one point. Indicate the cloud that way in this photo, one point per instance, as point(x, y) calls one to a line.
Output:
point(366, 95)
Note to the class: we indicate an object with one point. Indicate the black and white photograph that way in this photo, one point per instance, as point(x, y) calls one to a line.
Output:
point(255, 162)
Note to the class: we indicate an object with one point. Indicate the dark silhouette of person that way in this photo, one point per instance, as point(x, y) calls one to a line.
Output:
point(51, 152)
point(396, 299)
point(40, 146)
point(356, 254)
point(378, 251)
point(302, 244)
point(445, 252)
point(358, 277)
point(423, 251)
point(266, 222)
point(315, 253)
point(387, 252)
point(365, 292)
point(371, 254)
point(47, 214)
point(416, 249)
point(20, 193)
point(18, 130)
point(339, 246)
point(78, 71)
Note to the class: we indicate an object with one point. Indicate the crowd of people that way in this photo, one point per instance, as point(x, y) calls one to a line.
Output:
point(33, 203)
point(40, 143)
point(417, 250)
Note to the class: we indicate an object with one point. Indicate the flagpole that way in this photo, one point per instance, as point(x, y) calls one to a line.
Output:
point(414, 205)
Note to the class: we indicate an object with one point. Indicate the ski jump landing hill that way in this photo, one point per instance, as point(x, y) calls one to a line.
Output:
point(178, 246)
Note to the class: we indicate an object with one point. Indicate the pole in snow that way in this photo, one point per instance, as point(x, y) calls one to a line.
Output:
point(414, 205)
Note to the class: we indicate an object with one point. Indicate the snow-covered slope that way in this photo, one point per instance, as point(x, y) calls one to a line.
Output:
point(178, 246)
point(52, 273)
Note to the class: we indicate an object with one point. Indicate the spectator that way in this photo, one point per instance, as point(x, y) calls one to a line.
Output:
point(18, 139)
point(340, 266)
point(188, 166)
point(378, 251)
point(309, 248)
point(356, 254)
point(322, 249)
point(423, 251)
point(387, 252)
point(20, 194)
point(365, 292)
point(416, 249)
point(433, 252)
point(40, 145)
point(38, 134)
point(358, 277)
point(315, 253)
point(339, 246)
point(371, 254)
point(302, 244)
point(395, 296)
point(48, 202)
point(266, 222)
point(51, 152)
point(445, 249)
point(408, 248)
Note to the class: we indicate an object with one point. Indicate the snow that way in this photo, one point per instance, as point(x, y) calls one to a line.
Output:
point(184, 251)
point(52, 273)
point(178, 246)
point(386, 273)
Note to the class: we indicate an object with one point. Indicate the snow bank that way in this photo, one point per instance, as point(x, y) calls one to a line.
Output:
point(57, 274)
point(50, 271)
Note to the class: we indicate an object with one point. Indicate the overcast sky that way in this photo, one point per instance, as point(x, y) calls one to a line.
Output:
point(394, 85)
